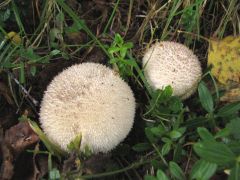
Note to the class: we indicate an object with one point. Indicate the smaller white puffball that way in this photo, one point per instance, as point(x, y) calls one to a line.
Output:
point(88, 99)
point(170, 63)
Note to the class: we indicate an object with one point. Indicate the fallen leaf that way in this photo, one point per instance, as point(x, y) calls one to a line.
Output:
point(232, 95)
point(224, 56)
point(15, 141)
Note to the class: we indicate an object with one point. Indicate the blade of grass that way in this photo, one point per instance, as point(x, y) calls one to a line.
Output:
point(70, 12)
point(175, 6)
point(17, 16)
point(111, 17)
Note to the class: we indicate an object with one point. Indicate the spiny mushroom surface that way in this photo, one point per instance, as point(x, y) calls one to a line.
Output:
point(169, 63)
point(91, 100)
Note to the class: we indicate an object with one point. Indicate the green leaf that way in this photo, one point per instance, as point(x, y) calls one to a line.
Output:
point(29, 54)
point(205, 97)
point(150, 135)
point(118, 39)
point(158, 131)
point(140, 147)
point(222, 133)
point(113, 49)
point(174, 134)
point(234, 126)
point(214, 152)
point(87, 151)
point(123, 52)
point(235, 172)
point(175, 104)
point(55, 52)
point(161, 175)
point(156, 164)
point(166, 148)
point(176, 171)
point(229, 109)
point(75, 143)
point(205, 134)
point(148, 177)
point(33, 70)
point(203, 170)
point(178, 149)
point(166, 93)
point(234, 146)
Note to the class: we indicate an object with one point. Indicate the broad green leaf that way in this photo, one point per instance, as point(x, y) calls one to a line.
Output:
point(118, 39)
point(123, 52)
point(113, 49)
point(161, 175)
point(156, 164)
point(205, 134)
point(205, 97)
point(150, 135)
point(55, 52)
point(222, 133)
point(229, 109)
point(203, 170)
point(148, 177)
point(174, 134)
point(175, 104)
point(166, 148)
point(176, 171)
point(178, 149)
point(235, 172)
point(182, 130)
point(166, 93)
point(128, 45)
point(234, 127)
point(141, 147)
point(214, 152)
point(234, 146)
point(158, 131)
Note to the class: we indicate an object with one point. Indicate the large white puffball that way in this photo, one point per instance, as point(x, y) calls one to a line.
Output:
point(88, 99)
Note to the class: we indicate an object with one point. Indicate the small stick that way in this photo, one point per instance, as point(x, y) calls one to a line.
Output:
point(34, 101)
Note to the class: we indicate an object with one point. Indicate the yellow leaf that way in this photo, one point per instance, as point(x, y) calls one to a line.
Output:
point(14, 37)
point(224, 57)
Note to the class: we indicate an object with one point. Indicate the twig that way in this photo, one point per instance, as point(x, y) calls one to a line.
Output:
point(34, 101)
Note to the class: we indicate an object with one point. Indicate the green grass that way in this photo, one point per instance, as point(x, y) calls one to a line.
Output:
point(202, 132)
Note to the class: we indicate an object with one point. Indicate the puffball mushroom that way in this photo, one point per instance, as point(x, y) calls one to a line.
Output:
point(91, 100)
point(170, 63)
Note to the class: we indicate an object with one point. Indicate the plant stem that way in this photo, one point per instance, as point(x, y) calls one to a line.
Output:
point(132, 166)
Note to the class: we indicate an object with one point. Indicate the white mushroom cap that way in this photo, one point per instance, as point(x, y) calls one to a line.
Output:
point(169, 63)
point(88, 99)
